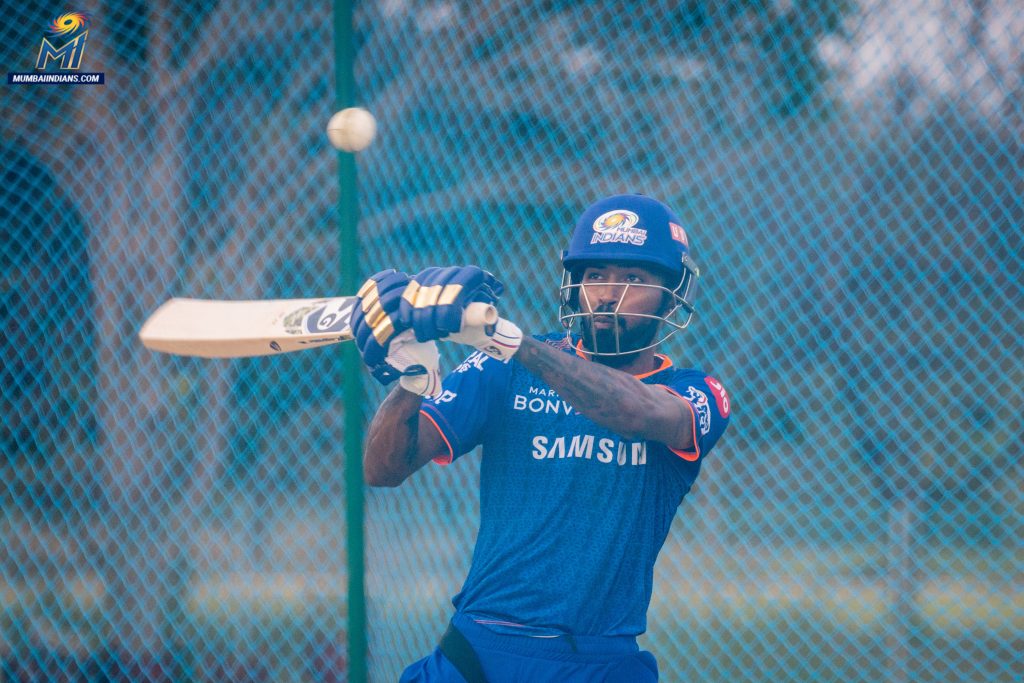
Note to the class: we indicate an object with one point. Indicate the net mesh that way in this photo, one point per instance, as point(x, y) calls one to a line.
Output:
point(849, 171)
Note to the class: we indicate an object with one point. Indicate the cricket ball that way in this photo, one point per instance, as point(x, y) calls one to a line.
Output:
point(352, 129)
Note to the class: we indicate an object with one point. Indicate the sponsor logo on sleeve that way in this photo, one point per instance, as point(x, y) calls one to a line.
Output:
point(701, 408)
point(721, 398)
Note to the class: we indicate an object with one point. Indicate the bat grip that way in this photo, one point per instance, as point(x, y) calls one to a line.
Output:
point(479, 314)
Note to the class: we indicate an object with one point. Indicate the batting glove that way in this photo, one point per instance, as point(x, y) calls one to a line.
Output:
point(435, 298)
point(500, 340)
point(417, 364)
point(375, 319)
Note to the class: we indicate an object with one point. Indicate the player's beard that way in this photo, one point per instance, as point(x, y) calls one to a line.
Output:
point(638, 335)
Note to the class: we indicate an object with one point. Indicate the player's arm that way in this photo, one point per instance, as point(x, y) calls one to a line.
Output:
point(399, 441)
point(395, 323)
point(613, 399)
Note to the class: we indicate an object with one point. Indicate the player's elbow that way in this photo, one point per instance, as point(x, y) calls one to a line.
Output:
point(386, 467)
point(384, 482)
point(385, 458)
point(377, 476)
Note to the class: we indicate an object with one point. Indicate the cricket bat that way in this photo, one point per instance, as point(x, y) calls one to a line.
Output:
point(210, 328)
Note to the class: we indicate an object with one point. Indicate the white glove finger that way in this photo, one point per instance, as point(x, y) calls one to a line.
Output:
point(502, 342)
point(420, 359)
point(427, 384)
point(405, 352)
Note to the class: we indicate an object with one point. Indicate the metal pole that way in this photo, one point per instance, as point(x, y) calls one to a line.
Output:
point(352, 374)
point(903, 582)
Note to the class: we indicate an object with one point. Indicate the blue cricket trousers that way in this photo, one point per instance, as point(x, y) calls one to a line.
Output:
point(525, 659)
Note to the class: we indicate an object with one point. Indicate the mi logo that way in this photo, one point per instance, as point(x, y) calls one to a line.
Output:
point(63, 46)
point(73, 26)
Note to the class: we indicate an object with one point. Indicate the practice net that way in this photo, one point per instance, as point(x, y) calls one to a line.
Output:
point(850, 173)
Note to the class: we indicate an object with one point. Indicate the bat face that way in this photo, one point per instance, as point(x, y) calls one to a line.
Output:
point(237, 329)
point(209, 328)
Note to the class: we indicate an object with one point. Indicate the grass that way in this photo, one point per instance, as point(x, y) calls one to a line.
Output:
point(738, 613)
point(763, 628)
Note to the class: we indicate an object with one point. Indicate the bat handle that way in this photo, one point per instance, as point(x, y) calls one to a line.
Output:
point(479, 314)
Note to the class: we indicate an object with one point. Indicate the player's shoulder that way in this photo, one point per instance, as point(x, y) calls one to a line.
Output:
point(686, 374)
point(696, 382)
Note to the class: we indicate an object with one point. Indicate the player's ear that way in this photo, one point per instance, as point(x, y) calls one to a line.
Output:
point(668, 299)
point(575, 278)
point(667, 278)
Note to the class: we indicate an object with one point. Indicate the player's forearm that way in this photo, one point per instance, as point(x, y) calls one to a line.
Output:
point(611, 398)
point(391, 451)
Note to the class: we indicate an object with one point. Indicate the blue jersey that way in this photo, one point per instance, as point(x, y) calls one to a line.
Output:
point(572, 516)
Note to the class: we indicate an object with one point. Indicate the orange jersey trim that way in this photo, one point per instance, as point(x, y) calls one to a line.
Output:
point(663, 361)
point(693, 455)
point(441, 460)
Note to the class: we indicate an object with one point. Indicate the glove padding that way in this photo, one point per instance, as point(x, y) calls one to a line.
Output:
point(499, 341)
point(375, 320)
point(416, 364)
point(435, 298)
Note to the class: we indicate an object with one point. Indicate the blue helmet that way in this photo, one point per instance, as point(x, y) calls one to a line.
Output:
point(631, 228)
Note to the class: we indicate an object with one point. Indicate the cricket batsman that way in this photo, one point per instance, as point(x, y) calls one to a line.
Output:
point(590, 440)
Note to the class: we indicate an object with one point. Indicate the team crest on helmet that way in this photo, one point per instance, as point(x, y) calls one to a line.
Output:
point(618, 226)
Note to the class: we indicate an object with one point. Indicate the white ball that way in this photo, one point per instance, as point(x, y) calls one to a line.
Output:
point(352, 129)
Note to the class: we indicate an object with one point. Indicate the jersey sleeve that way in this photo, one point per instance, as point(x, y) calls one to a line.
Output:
point(460, 411)
point(709, 405)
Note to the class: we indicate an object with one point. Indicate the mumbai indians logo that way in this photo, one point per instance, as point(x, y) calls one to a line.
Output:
point(73, 28)
point(617, 226)
point(699, 401)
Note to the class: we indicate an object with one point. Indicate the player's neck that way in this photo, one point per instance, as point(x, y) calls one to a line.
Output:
point(637, 363)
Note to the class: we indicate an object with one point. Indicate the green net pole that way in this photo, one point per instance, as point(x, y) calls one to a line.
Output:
point(348, 216)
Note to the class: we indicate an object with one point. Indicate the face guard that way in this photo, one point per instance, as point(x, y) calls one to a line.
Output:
point(577, 313)
point(633, 229)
